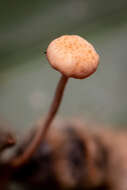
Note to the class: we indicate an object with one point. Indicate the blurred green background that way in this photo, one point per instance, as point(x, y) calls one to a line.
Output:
point(27, 82)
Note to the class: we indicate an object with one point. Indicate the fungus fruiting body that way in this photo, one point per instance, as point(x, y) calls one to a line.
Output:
point(74, 57)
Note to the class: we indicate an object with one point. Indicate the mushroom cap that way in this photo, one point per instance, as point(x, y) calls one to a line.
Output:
point(73, 56)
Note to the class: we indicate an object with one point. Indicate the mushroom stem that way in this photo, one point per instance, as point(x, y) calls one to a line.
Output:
point(42, 128)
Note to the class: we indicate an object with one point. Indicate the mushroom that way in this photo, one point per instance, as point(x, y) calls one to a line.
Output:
point(74, 57)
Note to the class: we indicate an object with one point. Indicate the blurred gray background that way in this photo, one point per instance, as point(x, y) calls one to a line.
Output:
point(27, 82)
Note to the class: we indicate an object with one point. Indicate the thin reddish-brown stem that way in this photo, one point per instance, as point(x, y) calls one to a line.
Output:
point(43, 126)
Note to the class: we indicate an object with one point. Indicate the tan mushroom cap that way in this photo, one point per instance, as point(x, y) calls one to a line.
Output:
point(73, 56)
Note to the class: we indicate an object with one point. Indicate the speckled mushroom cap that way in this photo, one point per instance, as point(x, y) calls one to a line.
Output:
point(73, 56)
